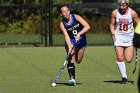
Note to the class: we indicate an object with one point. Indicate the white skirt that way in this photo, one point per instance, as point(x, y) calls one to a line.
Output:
point(124, 39)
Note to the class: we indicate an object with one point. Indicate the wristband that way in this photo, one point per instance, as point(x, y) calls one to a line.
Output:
point(112, 34)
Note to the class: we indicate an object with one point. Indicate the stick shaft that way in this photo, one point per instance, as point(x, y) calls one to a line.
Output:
point(63, 65)
point(136, 60)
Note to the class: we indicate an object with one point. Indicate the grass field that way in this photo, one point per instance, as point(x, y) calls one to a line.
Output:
point(30, 69)
point(91, 38)
point(58, 39)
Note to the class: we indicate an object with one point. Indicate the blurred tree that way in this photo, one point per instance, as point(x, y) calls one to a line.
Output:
point(97, 1)
point(66, 1)
point(6, 2)
point(18, 2)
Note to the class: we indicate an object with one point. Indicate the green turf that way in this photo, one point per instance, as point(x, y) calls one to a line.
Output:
point(20, 38)
point(30, 69)
point(91, 38)
point(58, 39)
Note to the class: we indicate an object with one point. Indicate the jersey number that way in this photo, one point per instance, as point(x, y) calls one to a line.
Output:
point(123, 27)
point(74, 32)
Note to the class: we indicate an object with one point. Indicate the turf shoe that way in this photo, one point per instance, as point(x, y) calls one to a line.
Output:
point(72, 82)
point(124, 81)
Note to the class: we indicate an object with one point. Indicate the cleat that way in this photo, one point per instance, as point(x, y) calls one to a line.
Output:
point(72, 82)
point(124, 81)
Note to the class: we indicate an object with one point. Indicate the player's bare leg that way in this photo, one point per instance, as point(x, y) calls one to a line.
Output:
point(120, 63)
point(71, 69)
point(129, 53)
point(79, 52)
point(79, 55)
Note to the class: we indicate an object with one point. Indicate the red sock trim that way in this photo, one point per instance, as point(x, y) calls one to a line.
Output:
point(120, 60)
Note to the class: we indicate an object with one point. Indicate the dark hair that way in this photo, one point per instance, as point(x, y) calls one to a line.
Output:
point(60, 6)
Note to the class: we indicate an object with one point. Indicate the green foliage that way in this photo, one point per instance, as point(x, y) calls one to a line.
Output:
point(31, 24)
point(66, 1)
point(28, 25)
point(8, 2)
point(15, 27)
point(2, 28)
point(98, 23)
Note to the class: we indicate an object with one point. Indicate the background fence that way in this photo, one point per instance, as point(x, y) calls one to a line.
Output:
point(39, 24)
point(98, 15)
point(21, 24)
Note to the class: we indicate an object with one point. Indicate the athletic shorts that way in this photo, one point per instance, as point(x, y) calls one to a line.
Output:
point(124, 40)
point(81, 43)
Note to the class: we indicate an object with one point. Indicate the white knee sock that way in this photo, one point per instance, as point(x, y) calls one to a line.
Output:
point(122, 68)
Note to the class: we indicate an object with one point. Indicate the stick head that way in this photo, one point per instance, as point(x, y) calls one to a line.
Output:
point(52, 81)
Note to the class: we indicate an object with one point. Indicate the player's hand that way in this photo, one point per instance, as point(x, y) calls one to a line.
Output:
point(113, 37)
point(77, 38)
point(71, 50)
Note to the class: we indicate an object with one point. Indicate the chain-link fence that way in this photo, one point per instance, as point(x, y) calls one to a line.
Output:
point(98, 15)
point(39, 24)
point(21, 24)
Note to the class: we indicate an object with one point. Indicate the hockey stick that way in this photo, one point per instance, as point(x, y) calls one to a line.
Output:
point(63, 65)
point(136, 60)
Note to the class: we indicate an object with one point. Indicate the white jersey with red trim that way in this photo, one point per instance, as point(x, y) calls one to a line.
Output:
point(124, 30)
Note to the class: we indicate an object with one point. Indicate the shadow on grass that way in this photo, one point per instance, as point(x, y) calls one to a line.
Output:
point(118, 81)
point(67, 84)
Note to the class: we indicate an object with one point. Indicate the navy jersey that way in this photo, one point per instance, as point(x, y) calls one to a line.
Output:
point(73, 29)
